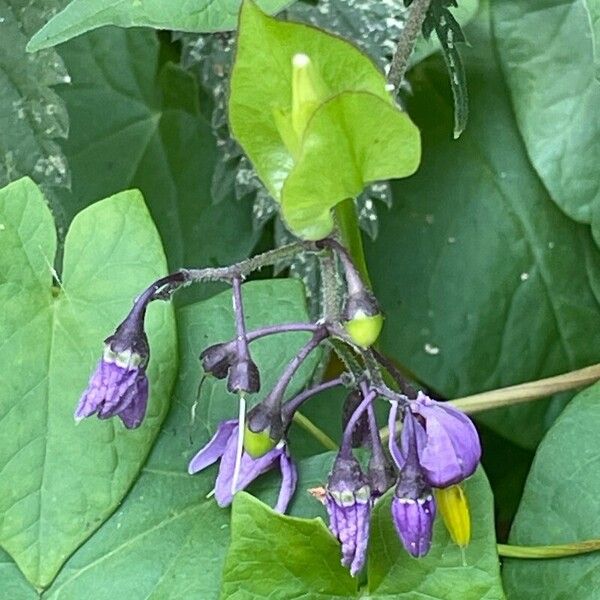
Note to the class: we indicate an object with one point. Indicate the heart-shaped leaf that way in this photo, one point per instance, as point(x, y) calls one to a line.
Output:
point(59, 481)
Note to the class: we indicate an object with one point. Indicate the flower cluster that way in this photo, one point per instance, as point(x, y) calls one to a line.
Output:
point(432, 446)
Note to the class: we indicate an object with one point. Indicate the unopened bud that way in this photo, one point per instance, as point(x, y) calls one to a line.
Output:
point(308, 92)
point(454, 508)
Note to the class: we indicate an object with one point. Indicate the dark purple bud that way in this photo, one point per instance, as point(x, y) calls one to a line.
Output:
point(449, 449)
point(348, 502)
point(223, 446)
point(119, 385)
point(217, 359)
point(244, 377)
point(381, 475)
point(413, 519)
point(360, 434)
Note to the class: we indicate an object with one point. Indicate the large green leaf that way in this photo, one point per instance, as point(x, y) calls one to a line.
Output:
point(556, 93)
point(441, 575)
point(485, 282)
point(58, 481)
point(154, 138)
point(561, 505)
point(167, 540)
point(297, 557)
point(195, 15)
point(12, 583)
point(32, 116)
point(354, 135)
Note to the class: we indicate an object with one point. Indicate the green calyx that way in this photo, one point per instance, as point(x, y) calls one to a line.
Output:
point(364, 330)
point(257, 444)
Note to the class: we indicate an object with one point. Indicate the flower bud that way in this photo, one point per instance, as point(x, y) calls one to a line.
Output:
point(454, 509)
point(308, 92)
point(363, 318)
point(244, 377)
point(217, 359)
point(348, 502)
point(413, 518)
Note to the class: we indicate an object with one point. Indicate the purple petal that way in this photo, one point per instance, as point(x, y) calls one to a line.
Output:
point(215, 448)
point(289, 478)
point(250, 469)
point(133, 414)
point(414, 523)
point(451, 451)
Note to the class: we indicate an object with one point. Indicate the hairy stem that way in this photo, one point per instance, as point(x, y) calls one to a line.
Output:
point(407, 41)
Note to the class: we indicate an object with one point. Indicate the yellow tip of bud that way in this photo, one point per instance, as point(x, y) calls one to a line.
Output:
point(364, 330)
point(454, 508)
point(257, 444)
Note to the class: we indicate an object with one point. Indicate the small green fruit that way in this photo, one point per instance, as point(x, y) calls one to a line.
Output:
point(364, 330)
point(257, 444)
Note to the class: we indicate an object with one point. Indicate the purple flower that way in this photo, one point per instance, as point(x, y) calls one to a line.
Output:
point(119, 385)
point(447, 443)
point(413, 505)
point(348, 502)
point(413, 518)
point(223, 445)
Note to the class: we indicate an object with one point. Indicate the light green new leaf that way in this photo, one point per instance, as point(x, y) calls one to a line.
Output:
point(59, 481)
point(549, 53)
point(350, 140)
point(297, 557)
point(561, 504)
point(32, 116)
point(441, 575)
point(153, 138)
point(168, 511)
point(192, 15)
point(485, 282)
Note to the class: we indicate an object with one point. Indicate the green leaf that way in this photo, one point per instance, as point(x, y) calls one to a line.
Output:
point(441, 575)
point(298, 557)
point(194, 16)
point(343, 145)
point(60, 481)
point(556, 93)
point(167, 510)
point(14, 585)
point(153, 138)
point(561, 505)
point(33, 117)
point(485, 282)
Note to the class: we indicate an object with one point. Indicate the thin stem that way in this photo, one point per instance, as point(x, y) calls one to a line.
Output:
point(376, 445)
point(317, 433)
point(329, 286)
point(354, 280)
point(545, 552)
point(291, 406)
point(240, 325)
point(276, 394)
point(406, 43)
point(348, 224)
point(403, 383)
point(346, 448)
point(283, 328)
point(525, 392)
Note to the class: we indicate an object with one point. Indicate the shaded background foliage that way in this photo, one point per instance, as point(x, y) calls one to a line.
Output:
point(486, 263)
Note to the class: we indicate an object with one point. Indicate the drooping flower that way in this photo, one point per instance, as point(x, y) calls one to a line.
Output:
point(413, 505)
point(223, 446)
point(447, 442)
point(119, 385)
point(348, 502)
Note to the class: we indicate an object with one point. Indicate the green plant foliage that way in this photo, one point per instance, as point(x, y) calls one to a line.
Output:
point(556, 94)
point(168, 540)
point(33, 117)
point(441, 574)
point(60, 482)
point(298, 557)
point(195, 16)
point(154, 138)
point(484, 281)
point(559, 506)
point(352, 135)
point(13, 583)
point(301, 559)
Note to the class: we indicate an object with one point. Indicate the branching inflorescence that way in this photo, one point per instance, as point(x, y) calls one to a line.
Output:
point(431, 444)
